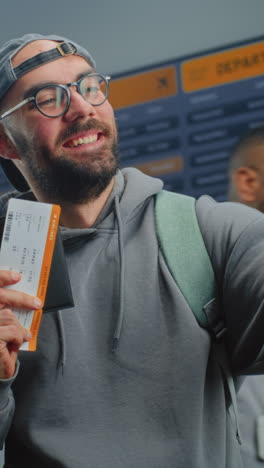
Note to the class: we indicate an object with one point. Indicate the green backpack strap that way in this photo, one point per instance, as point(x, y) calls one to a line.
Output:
point(183, 247)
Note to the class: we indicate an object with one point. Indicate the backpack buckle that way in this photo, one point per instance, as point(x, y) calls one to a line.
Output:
point(216, 325)
point(219, 331)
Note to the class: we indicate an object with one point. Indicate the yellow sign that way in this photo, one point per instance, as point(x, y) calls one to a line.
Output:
point(143, 87)
point(223, 67)
point(162, 166)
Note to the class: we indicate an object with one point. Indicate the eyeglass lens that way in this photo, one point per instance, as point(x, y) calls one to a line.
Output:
point(53, 99)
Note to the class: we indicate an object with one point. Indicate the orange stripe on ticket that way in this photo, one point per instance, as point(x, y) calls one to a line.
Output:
point(45, 271)
point(144, 87)
point(34, 329)
point(223, 67)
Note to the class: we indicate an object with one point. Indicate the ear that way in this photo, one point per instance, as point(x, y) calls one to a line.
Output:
point(7, 147)
point(247, 183)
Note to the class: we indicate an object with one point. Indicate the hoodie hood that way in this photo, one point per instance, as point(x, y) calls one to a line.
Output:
point(132, 188)
point(138, 188)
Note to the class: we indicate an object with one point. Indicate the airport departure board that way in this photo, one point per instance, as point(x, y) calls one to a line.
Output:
point(180, 120)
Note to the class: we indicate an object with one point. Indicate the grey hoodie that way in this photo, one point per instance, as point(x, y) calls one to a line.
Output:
point(251, 414)
point(158, 399)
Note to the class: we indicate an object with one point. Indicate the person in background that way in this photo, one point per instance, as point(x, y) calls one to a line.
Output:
point(246, 185)
point(126, 378)
point(246, 170)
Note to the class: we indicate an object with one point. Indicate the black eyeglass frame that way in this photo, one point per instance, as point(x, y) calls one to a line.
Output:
point(65, 87)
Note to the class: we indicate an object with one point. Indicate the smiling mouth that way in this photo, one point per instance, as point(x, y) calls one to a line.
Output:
point(82, 141)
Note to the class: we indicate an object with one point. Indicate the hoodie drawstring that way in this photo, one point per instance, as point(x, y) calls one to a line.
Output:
point(63, 356)
point(120, 317)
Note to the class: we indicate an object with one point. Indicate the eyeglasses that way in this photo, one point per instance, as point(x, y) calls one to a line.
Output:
point(54, 100)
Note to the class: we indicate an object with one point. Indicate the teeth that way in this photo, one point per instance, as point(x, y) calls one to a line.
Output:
point(83, 141)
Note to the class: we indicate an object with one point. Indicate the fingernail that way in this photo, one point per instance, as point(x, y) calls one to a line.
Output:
point(15, 276)
point(37, 303)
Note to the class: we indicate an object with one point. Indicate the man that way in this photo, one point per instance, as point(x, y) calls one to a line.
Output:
point(126, 378)
point(246, 170)
point(246, 185)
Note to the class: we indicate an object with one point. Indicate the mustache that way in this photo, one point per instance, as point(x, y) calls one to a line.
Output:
point(78, 127)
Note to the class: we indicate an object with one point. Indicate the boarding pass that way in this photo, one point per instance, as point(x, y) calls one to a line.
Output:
point(27, 247)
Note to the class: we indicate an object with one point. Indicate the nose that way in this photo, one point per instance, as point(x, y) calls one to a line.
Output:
point(79, 108)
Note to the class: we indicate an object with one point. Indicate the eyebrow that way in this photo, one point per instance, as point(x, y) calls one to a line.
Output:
point(33, 89)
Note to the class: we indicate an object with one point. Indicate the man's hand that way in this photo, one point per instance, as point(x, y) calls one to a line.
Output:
point(12, 334)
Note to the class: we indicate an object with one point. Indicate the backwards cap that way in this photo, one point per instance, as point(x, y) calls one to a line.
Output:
point(9, 75)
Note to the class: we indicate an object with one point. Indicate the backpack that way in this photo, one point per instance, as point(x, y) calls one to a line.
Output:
point(191, 268)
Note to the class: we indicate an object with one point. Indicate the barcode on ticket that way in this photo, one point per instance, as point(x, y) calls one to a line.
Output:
point(9, 221)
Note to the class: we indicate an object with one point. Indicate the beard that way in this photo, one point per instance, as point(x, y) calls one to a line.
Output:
point(63, 179)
